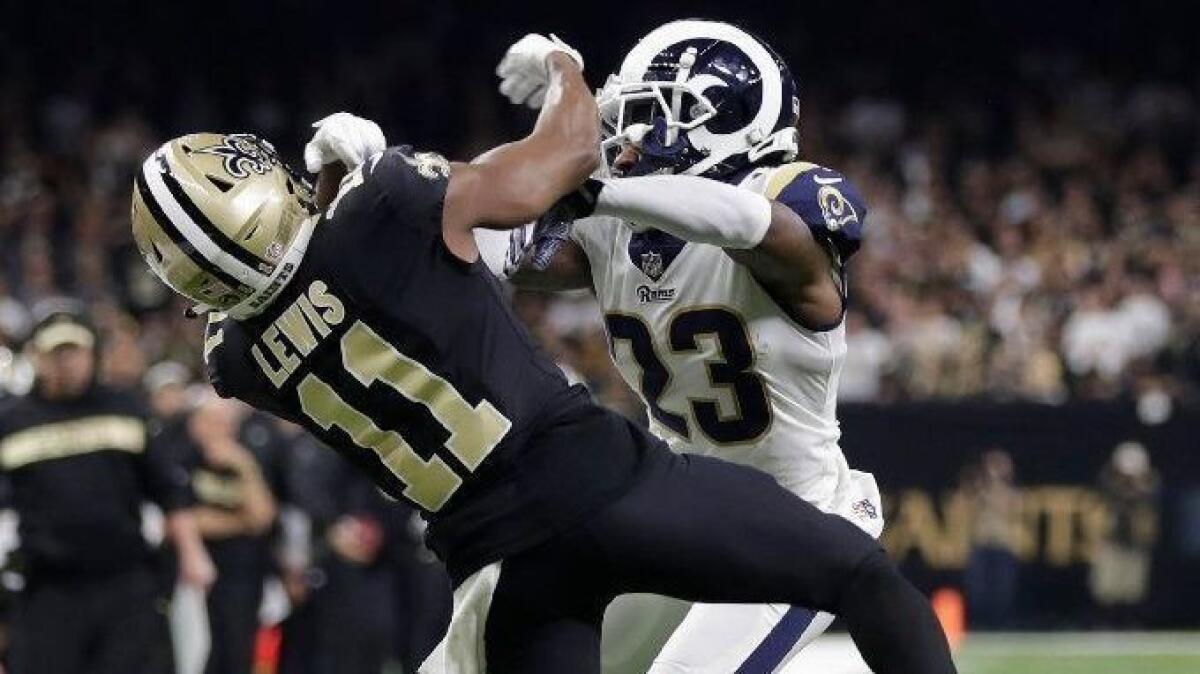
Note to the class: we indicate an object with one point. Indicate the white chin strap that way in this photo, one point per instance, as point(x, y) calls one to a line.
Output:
point(261, 299)
point(786, 142)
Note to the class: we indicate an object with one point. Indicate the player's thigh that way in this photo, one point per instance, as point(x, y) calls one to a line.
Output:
point(707, 530)
point(546, 612)
point(741, 638)
point(535, 612)
point(720, 638)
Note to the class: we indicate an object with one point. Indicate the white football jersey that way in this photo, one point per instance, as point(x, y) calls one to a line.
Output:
point(723, 370)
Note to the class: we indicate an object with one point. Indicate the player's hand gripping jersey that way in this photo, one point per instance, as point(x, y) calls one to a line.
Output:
point(408, 361)
point(722, 368)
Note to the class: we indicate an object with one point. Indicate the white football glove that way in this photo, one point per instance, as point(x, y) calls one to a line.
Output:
point(343, 137)
point(524, 74)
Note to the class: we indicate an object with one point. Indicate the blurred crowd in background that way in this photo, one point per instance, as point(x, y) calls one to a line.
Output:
point(1041, 244)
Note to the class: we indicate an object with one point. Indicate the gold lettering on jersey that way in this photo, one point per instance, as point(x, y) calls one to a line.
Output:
point(72, 438)
point(334, 312)
point(287, 361)
point(297, 332)
point(314, 319)
point(293, 323)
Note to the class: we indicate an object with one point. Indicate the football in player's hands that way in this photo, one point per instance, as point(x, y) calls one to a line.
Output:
point(524, 73)
point(343, 137)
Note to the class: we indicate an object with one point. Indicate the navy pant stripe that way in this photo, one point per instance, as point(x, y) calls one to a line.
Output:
point(774, 648)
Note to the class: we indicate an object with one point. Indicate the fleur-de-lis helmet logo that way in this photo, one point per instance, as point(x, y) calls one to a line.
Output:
point(243, 153)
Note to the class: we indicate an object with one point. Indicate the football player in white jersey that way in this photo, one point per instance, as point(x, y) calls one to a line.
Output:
point(719, 261)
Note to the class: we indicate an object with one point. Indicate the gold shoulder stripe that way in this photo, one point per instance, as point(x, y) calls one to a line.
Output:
point(784, 177)
point(72, 438)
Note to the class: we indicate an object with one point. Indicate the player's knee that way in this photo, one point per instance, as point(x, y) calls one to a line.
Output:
point(876, 576)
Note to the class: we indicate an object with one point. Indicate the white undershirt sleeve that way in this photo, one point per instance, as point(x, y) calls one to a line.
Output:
point(692, 208)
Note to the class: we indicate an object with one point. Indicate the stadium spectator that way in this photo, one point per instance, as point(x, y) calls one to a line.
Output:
point(82, 459)
point(990, 579)
point(1120, 575)
point(235, 511)
point(865, 376)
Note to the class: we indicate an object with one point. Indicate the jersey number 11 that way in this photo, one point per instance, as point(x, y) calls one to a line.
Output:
point(474, 430)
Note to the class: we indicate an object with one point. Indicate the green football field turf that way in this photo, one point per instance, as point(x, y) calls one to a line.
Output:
point(1080, 664)
point(638, 627)
point(1081, 653)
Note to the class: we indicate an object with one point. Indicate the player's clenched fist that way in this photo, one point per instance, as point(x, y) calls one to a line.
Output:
point(343, 137)
point(524, 73)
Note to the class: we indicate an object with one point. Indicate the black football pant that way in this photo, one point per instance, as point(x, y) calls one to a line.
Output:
point(91, 625)
point(705, 530)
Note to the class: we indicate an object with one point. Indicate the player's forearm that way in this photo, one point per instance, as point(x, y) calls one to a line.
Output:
point(568, 128)
point(691, 208)
point(516, 183)
point(527, 177)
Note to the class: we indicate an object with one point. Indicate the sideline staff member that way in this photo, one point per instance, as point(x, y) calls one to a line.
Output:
point(81, 463)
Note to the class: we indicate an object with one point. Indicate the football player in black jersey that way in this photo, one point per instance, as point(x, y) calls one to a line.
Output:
point(375, 325)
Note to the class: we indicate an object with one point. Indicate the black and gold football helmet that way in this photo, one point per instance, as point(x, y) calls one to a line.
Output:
point(222, 220)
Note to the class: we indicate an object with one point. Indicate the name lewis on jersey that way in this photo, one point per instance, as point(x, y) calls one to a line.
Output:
point(298, 330)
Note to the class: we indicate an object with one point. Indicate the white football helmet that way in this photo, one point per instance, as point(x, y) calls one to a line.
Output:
point(701, 98)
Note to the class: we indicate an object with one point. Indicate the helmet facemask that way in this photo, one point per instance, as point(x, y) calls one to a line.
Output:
point(655, 116)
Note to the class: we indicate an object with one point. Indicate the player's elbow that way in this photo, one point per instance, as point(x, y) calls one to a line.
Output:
point(582, 161)
point(577, 146)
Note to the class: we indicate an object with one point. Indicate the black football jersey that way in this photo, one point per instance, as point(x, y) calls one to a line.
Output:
point(411, 364)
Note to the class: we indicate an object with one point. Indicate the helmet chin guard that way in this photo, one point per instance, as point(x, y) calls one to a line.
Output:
point(701, 98)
